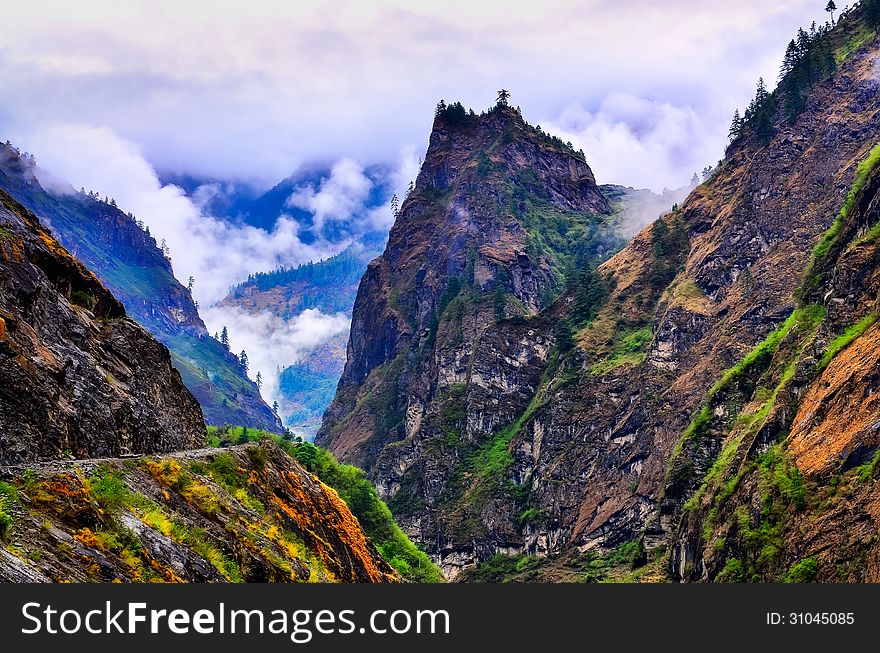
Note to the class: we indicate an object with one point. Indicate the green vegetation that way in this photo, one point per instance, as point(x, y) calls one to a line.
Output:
point(717, 471)
point(590, 290)
point(855, 39)
point(494, 458)
point(110, 491)
point(8, 497)
point(617, 565)
point(809, 60)
point(803, 320)
point(868, 471)
point(733, 572)
point(343, 269)
point(803, 571)
point(352, 486)
point(670, 246)
point(831, 240)
point(844, 340)
point(359, 494)
point(629, 348)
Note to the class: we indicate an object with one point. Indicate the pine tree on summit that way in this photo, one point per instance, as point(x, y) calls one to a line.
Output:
point(831, 8)
point(503, 97)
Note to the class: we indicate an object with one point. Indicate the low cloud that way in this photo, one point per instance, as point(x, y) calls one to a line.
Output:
point(640, 142)
point(218, 254)
point(250, 92)
point(339, 197)
point(271, 342)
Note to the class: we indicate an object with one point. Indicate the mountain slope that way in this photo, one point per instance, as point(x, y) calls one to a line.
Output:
point(793, 490)
point(78, 376)
point(127, 259)
point(531, 446)
point(82, 385)
point(246, 514)
point(306, 387)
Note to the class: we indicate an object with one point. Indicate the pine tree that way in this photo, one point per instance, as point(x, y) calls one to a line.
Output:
point(275, 407)
point(243, 360)
point(790, 60)
point(872, 11)
point(503, 97)
point(736, 128)
point(259, 380)
point(224, 338)
point(831, 8)
point(763, 110)
point(590, 292)
point(564, 336)
point(395, 206)
point(190, 283)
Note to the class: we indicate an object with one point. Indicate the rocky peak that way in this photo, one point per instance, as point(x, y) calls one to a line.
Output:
point(501, 220)
point(657, 421)
point(460, 141)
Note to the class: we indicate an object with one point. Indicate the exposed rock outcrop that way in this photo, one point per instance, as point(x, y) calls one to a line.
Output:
point(245, 514)
point(128, 261)
point(489, 435)
point(78, 376)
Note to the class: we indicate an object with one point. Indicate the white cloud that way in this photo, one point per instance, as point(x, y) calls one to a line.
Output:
point(339, 197)
point(634, 141)
point(272, 343)
point(249, 91)
point(216, 253)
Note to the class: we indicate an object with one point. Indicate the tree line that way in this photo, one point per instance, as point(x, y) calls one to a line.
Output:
point(809, 60)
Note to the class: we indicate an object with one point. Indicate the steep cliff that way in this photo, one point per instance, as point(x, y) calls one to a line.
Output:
point(246, 514)
point(128, 261)
point(517, 436)
point(449, 339)
point(78, 376)
point(792, 493)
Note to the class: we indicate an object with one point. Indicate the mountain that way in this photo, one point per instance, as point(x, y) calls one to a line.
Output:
point(78, 376)
point(241, 204)
point(101, 474)
point(126, 258)
point(445, 350)
point(701, 406)
point(247, 514)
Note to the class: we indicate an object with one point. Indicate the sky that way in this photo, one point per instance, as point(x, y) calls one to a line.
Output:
point(111, 95)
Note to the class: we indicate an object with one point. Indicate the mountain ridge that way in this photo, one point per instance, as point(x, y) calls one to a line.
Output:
point(128, 260)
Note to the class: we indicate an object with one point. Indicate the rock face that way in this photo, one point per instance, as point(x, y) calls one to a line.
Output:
point(447, 347)
point(77, 375)
point(246, 514)
point(695, 410)
point(129, 263)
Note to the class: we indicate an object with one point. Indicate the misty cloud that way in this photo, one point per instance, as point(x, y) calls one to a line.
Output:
point(250, 92)
point(272, 343)
point(218, 254)
point(639, 142)
point(339, 197)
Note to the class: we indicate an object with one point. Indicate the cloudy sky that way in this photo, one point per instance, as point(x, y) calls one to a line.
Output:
point(108, 93)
